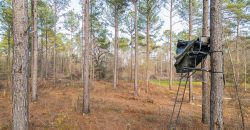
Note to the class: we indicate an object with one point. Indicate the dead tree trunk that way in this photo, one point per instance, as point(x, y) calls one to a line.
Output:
point(20, 114)
point(35, 53)
point(86, 109)
point(217, 84)
point(205, 65)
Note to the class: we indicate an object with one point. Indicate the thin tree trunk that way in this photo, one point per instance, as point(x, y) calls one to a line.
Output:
point(54, 49)
point(70, 62)
point(237, 51)
point(170, 49)
point(147, 56)
point(236, 84)
point(86, 108)
point(116, 50)
point(217, 84)
point(161, 65)
point(42, 58)
point(131, 55)
point(245, 67)
point(205, 65)
point(35, 49)
point(46, 54)
point(82, 48)
point(136, 47)
point(20, 114)
point(190, 37)
point(8, 63)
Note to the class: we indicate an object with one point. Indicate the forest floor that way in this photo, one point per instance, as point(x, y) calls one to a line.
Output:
point(60, 108)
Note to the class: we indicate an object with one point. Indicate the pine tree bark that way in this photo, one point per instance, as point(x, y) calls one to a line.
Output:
point(170, 49)
point(20, 97)
point(35, 53)
point(136, 48)
point(205, 65)
point(190, 38)
point(217, 84)
point(86, 93)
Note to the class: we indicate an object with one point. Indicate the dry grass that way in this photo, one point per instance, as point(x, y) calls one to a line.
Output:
point(60, 108)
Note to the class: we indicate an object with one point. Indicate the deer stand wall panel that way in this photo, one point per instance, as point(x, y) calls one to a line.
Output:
point(189, 54)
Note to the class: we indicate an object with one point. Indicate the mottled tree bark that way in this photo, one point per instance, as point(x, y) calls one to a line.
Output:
point(205, 65)
point(20, 97)
point(35, 53)
point(86, 106)
point(217, 84)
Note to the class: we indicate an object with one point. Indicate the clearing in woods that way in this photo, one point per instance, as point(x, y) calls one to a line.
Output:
point(60, 108)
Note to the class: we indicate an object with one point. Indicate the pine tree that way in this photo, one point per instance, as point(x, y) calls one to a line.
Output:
point(86, 107)
point(117, 8)
point(149, 10)
point(217, 84)
point(205, 65)
point(20, 114)
point(35, 51)
point(136, 48)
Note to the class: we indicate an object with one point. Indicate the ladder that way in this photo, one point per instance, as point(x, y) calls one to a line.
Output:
point(180, 94)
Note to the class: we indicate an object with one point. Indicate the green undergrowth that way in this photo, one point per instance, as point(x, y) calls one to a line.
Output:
point(165, 83)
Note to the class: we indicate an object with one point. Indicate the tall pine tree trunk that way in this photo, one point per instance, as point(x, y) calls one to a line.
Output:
point(217, 84)
point(170, 49)
point(46, 55)
point(147, 56)
point(136, 48)
point(205, 65)
point(42, 58)
point(8, 63)
point(20, 97)
point(54, 48)
point(131, 57)
point(116, 50)
point(245, 67)
point(86, 101)
point(190, 38)
point(237, 51)
point(35, 53)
